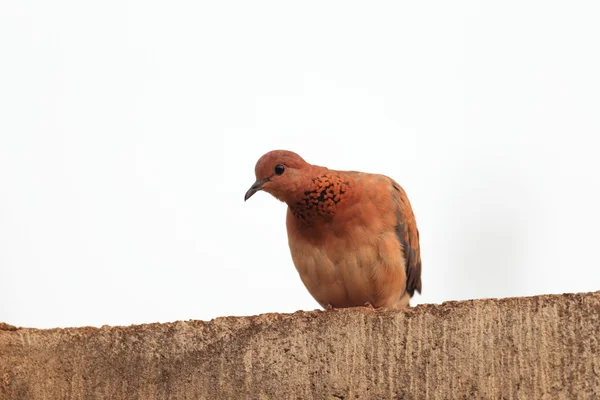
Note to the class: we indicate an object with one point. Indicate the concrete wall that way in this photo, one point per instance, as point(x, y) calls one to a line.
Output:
point(544, 347)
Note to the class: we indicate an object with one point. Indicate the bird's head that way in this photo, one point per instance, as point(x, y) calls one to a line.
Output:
point(280, 173)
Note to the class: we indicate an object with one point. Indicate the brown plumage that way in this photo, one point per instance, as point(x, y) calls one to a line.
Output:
point(352, 235)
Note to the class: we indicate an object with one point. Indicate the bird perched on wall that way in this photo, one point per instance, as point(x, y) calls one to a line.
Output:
point(352, 235)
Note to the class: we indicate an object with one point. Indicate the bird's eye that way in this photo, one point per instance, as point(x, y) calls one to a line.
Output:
point(279, 169)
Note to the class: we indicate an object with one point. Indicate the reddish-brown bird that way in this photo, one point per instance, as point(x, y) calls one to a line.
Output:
point(352, 235)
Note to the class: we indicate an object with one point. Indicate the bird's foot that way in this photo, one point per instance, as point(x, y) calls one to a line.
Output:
point(329, 307)
point(369, 305)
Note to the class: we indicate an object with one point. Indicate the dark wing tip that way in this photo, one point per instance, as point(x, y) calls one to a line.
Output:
point(408, 235)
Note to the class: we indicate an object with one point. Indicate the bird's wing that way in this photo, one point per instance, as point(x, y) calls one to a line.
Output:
point(408, 234)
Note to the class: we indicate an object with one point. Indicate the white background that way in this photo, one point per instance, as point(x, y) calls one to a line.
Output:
point(129, 131)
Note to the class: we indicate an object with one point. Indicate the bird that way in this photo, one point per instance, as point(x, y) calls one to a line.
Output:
point(352, 235)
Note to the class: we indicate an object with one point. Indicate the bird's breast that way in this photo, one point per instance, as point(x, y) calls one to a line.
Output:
point(348, 266)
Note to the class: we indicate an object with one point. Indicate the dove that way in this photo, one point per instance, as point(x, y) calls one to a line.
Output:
point(352, 235)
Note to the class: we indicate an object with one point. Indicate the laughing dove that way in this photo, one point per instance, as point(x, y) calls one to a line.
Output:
point(352, 235)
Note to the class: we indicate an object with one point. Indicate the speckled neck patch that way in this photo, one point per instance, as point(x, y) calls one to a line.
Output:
point(325, 192)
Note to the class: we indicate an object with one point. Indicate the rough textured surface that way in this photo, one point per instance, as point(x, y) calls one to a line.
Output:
point(544, 347)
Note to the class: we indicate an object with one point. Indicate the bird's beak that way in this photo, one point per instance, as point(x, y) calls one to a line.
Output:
point(255, 188)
